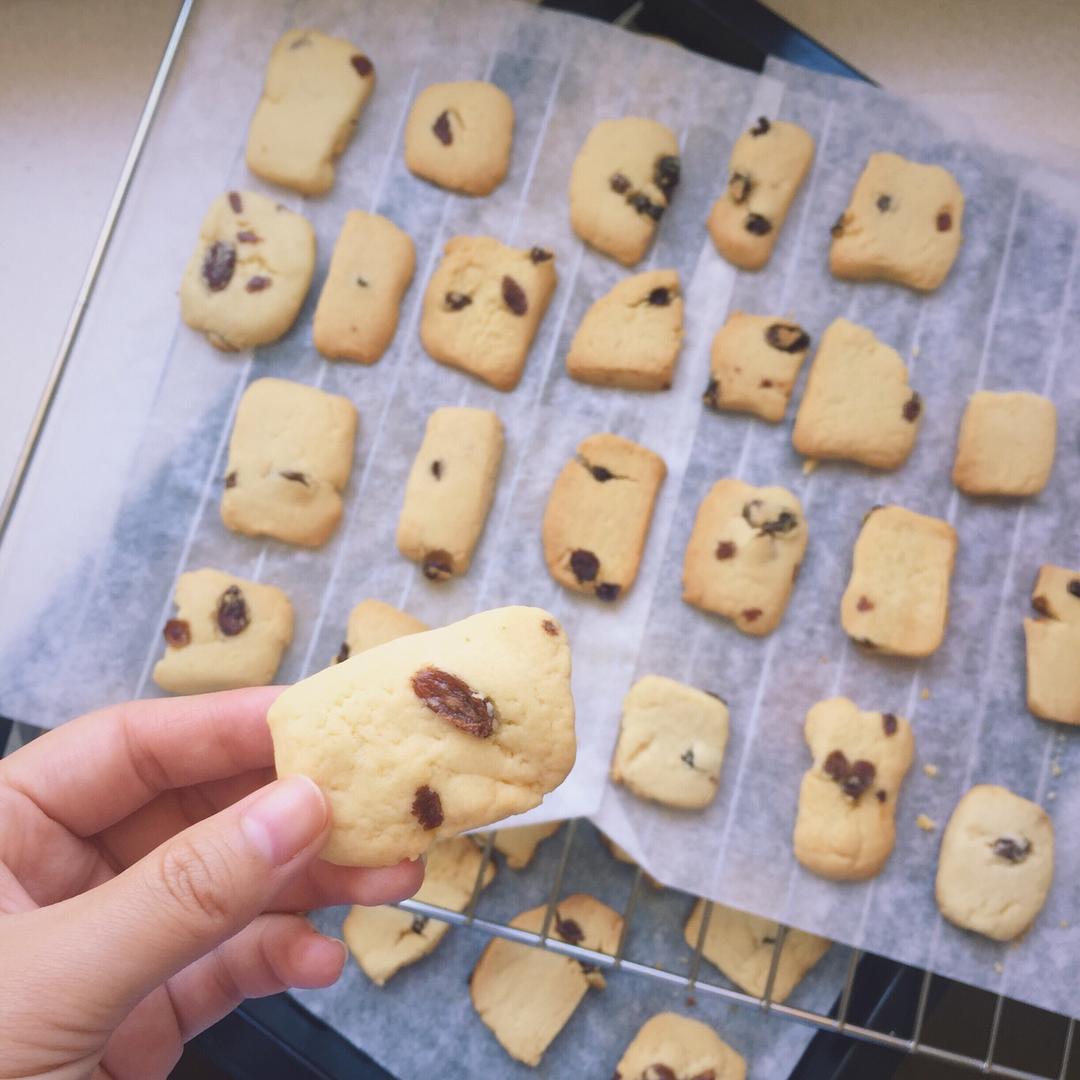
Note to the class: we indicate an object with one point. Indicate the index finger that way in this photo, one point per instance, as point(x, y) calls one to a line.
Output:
point(98, 769)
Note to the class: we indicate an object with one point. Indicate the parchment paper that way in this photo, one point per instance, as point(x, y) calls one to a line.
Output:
point(123, 492)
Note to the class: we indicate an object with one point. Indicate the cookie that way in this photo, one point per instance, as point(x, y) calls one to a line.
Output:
point(741, 945)
point(846, 824)
point(525, 994)
point(857, 405)
point(598, 515)
point(669, 1046)
point(432, 734)
point(622, 181)
point(1053, 646)
point(385, 939)
point(249, 273)
point(370, 270)
point(227, 633)
point(1006, 444)
point(518, 845)
point(373, 623)
point(671, 743)
point(450, 489)
point(631, 336)
point(902, 224)
point(483, 306)
point(744, 554)
point(315, 87)
point(290, 456)
point(996, 863)
point(755, 362)
point(768, 164)
point(897, 600)
point(459, 135)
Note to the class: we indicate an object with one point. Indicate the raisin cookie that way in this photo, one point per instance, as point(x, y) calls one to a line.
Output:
point(372, 266)
point(524, 994)
point(846, 825)
point(671, 743)
point(622, 182)
point(768, 164)
point(385, 939)
point(897, 600)
point(631, 336)
point(372, 623)
point(518, 845)
point(755, 362)
point(741, 945)
point(432, 734)
point(315, 87)
point(598, 515)
point(996, 863)
point(290, 457)
point(902, 224)
point(744, 554)
point(1053, 646)
point(450, 489)
point(459, 135)
point(670, 1047)
point(1006, 444)
point(483, 306)
point(857, 405)
point(249, 273)
point(227, 633)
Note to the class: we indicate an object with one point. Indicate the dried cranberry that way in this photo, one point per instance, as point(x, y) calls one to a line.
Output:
point(427, 808)
point(550, 627)
point(177, 633)
point(441, 127)
point(751, 614)
point(454, 700)
point(232, 612)
point(725, 549)
point(343, 653)
point(836, 765)
point(1011, 848)
point(837, 228)
point(944, 221)
point(644, 205)
point(761, 127)
point(912, 408)
point(514, 296)
point(230, 480)
point(758, 224)
point(859, 779)
point(608, 591)
point(660, 297)
point(295, 477)
point(437, 565)
point(1073, 588)
point(569, 930)
point(455, 301)
point(246, 236)
point(711, 397)
point(889, 723)
point(258, 283)
point(436, 469)
point(218, 265)
point(539, 255)
point(787, 337)
point(584, 564)
point(364, 67)
point(666, 174)
point(236, 202)
point(739, 187)
point(884, 202)
point(864, 604)
point(619, 183)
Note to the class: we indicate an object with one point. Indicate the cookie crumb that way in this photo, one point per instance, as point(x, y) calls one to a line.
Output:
point(809, 465)
point(925, 823)
point(925, 694)
point(930, 769)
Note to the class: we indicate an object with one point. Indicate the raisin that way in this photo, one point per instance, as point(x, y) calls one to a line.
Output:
point(884, 202)
point(453, 699)
point(550, 627)
point(584, 564)
point(1073, 588)
point(364, 67)
point(836, 765)
point(258, 283)
point(659, 1072)
point(881, 796)
point(659, 297)
point(295, 477)
point(436, 469)
point(619, 183)
point(944, 221)
point(758, 225)
point(711, 397)
point(343, 653)
point(644, 205)
point(859, 779)
point(539, 255)
point(569, 930)
point(783, 523)
point(725, 549)
point(1011, 848)
point(177, 633)
point(751, 511)
point(688, 757)
point(787, 337)
point(608, 591)
point(246, 236)
point(455, 301)
point(599, 472)
point(739, 187)
point(889, 723)
point(765, 384)
point(218, 265)
point(1040, 604)
point(837, 228)
point(230, 480)
point(751, 614)
point(232, 612)
point(864, 604)
point(441, 127)
point(362, 282)
point(666, 174)
point(514, 296)
point(912, 408)
point(236, 202)
point(761, 128)
point(418, 924)
point(437, 565)
point(427, 808)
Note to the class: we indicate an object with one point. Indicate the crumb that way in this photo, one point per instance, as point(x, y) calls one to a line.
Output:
point(999, 967)
point(925, 695)
point(1055, 768)
point(1064, 924)
point(925, 823)
point(930, 769)
point(809, 465)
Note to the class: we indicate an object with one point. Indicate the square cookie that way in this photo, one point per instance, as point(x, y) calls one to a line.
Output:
point(622, 181)
point(315, 87)
point(846, 824)
point(450, 489)
point(1006, 444)
point(744, 554)
point(290, 457)
point(598, 515)
point(671, 743)
point(483, 306)
point(631, 336)
point(755, 362)
point(370, 270)
point(902, 224)
point(227, 633)
point(373, 623)
point(857, 405)
point(996, 863)
point(459, 135)
point(250, 271)
point(669, 1046)
point(768, 165)
point(897, 599)
point(1053, 646)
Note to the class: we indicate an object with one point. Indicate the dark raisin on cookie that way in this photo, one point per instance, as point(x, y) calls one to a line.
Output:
point(569, 930)
point(859, 779)
point(761, 127)
point(585, 565)
point(456, 701)
point(944, 221)
point(441, 128)
point(436, 469)
point(836, 765)
point(659, 297)
point(218, 266)
point(539, 255)
point(600, 473)
point(258, 283)
point(608, 591)
point(659, 1071)
point(1014, 849)
point(758, 224)
point(230, 480)
point(364, 67)
point(343, 653)
point(889, 723)
point(295, 477)
point(884, 203)
point(427, 808)
point(550, 628)
point(687, 757)
point(787, 337)
point(751, 614)
point(232, 612)
point(666, 174)
point(236, 202)
point(644, 205)
point(1073, 588)
point(711, 397)
point(765, 384)
point(437, 565)
point(912, 408)
point(739, 187)
point(881, 795)
point(246, 236)
point(725, 549)
point(455, 301)
point(362, 282)
point(837, 228)
point(619, 183)
point(864, 604)
point(418, 924)
point(514, 296)
point(177, 633)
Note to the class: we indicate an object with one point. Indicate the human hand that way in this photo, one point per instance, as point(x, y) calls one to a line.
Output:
point(150, 871)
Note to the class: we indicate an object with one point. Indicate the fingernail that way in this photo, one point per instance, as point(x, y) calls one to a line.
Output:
point(285, 819)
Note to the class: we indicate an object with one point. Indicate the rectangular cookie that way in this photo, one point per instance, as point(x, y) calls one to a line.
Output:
point(669, 1046)
point(450, 489)
point(483, 306)
point(598, 515)
point(290, 456)
point(631, 336)
point(858, 405)
point(768, 164)
point(1053, 646)
point(370, 270)
point(744, 554)
point(315, 87)
point(755, 362)
point(373, 623)
point(897, 600)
